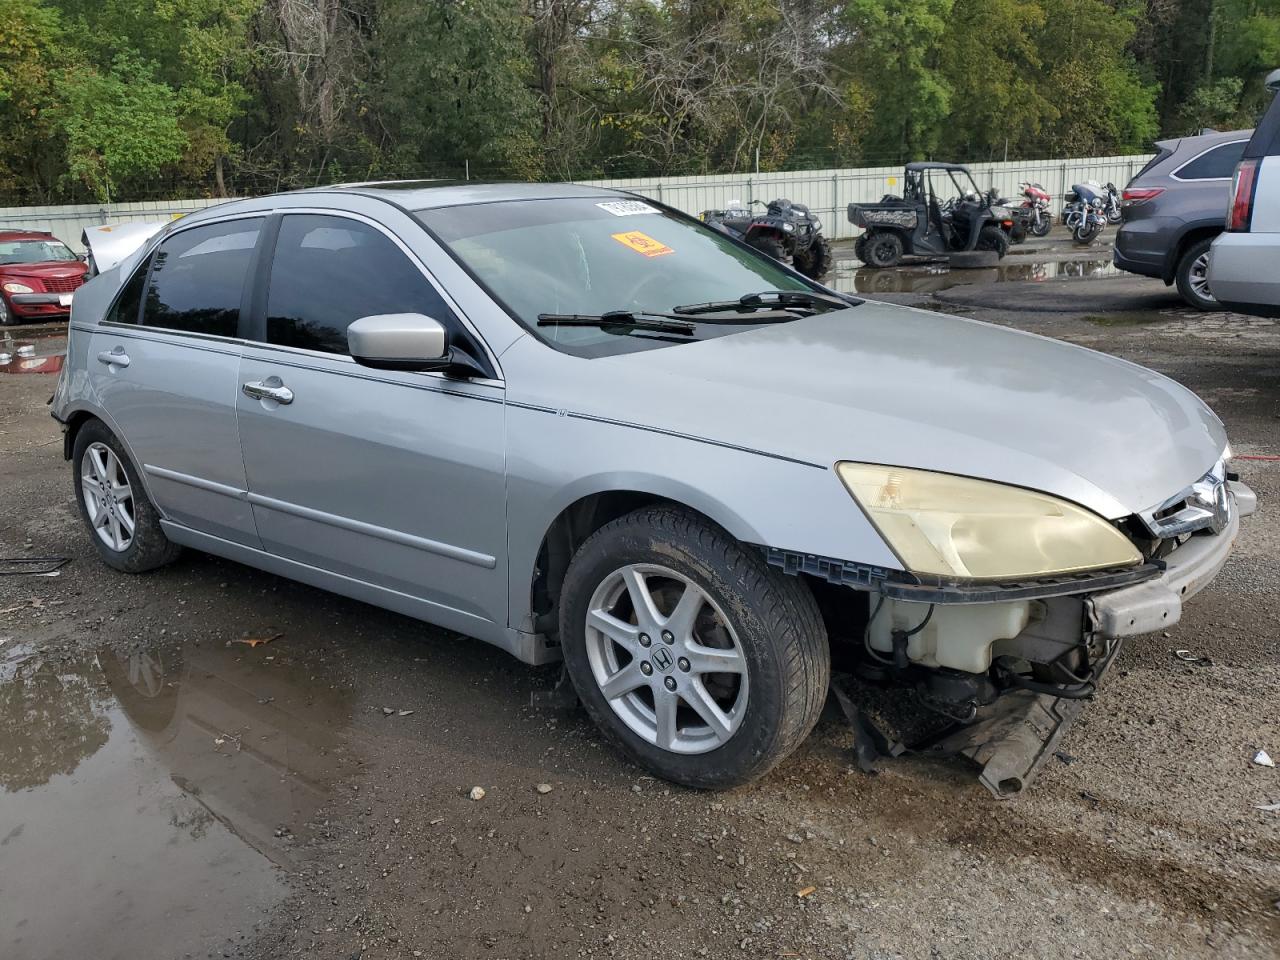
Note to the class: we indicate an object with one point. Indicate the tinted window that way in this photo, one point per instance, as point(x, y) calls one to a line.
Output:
point(125, 309)
point(198, 278)
point(330, 271)
point(1216, 164)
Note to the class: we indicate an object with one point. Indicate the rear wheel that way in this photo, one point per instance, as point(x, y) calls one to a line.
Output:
point(122, 522)
point(769, 245)
point(882, 249)
point(815, 261)
point(1192, 276)
point(703, 663)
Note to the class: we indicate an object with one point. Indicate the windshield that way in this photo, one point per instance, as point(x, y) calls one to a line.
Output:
point(33, 251)
point(591, 256)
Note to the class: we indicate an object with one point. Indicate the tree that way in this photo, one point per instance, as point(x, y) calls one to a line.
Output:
point(32, 52)
point(119, 124)
point(453, 85)
point(898, 62)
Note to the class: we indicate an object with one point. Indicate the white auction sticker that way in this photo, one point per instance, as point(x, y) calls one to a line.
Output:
point(626, 208)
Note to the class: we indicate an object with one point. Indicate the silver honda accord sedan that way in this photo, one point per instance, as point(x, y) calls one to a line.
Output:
point(579, 425)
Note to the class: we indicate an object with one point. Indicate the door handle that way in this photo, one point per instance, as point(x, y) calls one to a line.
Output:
point(268, 389)
point(115, 357)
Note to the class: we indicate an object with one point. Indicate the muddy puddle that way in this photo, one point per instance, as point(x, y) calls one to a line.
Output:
point(35, 349)
point(852, 277)
point(150, 803)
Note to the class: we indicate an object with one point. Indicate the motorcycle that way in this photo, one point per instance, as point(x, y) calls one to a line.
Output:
point(785, 229)
point(1111, 205)
point(1036, 202)
point(1086, 211)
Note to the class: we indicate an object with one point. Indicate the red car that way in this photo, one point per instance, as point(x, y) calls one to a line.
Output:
point(38, 274)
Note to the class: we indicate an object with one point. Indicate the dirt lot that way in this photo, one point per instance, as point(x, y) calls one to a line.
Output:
point(167, 791)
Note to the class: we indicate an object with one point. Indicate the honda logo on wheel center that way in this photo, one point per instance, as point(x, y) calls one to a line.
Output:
point(662, 659)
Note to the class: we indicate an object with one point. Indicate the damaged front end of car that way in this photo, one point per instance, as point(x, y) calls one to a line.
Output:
point(1011, 604)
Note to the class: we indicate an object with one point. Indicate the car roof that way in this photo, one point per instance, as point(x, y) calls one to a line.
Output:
point(1203, 141)
point(25, 235)
point(935, 165)
point(426, 194)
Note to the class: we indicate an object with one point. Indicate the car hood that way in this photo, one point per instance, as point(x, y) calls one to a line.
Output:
point(53, 270)
point(881, 383)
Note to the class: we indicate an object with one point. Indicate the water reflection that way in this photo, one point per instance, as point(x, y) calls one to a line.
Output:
point(852, 277)
point(145, 800)
point(36, 349)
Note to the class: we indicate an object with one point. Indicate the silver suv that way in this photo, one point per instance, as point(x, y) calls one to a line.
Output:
point(1174, 208)
point(576, 424)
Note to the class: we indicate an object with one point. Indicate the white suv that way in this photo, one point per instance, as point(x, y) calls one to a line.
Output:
point(1243, 260)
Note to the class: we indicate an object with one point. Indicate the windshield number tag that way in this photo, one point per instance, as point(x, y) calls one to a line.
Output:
point(642, 243)
point(626, 208)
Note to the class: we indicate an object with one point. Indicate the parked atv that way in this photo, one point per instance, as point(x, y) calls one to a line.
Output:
point(785, 229)
point(964, 227)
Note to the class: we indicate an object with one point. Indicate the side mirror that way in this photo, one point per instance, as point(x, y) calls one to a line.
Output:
point(399, 341)
point(1272, 83)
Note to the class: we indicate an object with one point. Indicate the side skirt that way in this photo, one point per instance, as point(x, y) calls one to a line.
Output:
point(530, 648)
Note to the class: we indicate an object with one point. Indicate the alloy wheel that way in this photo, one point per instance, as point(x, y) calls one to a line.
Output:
point(108, 497)
point(666, 659)
point(1198, 277)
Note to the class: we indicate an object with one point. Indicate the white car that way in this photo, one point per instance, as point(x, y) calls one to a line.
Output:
point(1243, 259)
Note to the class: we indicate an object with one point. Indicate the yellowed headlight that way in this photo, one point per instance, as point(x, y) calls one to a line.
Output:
point(952, 526)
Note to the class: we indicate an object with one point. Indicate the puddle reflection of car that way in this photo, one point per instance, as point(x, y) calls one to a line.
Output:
point(574, 423)
point(230, 734)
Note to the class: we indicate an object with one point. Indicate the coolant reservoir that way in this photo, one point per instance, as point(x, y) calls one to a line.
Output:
point(958, 636)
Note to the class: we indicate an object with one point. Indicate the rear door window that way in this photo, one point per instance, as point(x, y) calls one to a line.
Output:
point(1218, 163)
point(197, 278)
point(328, 272)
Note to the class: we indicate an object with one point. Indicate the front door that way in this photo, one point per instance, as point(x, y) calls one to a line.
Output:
point(385, 478)
point(164, 363)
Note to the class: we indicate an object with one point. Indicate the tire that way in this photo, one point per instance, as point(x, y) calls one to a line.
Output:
point(1018, 232)
point(767, 619)
point(860, 248)
point(1191, 277)
point(6, 314)
point(769, 245)
point(1085, 233)
point(815, 262)
point(882, 249)
point(146, 547)
point(1041, 227)
point(993, 238)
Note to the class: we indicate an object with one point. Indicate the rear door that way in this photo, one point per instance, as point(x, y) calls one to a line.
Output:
point(164, 364)
point(389, 479)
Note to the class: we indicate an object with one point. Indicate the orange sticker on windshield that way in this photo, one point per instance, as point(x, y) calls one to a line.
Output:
point(642, 243)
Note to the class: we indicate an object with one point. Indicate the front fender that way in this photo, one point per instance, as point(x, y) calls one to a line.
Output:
point(556, 458)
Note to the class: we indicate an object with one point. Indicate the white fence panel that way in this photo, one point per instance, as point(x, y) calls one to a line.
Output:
point(827, 192)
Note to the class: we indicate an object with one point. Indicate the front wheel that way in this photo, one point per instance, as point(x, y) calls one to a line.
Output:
point(1084, 232)
point(1042, 224)
point(993, 238)
point(769, 245)
point(815, 260)
point(703, 663)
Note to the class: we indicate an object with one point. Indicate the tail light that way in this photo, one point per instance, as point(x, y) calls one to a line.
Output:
point(1141, 194)
point(1243, 185)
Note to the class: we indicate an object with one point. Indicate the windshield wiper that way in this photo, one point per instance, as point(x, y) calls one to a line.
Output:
point(766, 299)
point(623, 320)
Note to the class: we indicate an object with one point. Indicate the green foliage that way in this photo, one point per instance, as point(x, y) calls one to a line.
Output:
point(118, 125)
point(142, 98)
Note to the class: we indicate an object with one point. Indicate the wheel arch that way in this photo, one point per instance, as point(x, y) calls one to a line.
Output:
point(1190, 236)
point(540, 571)
point(74, 421)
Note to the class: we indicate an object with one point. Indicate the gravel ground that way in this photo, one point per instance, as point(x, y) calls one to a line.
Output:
point(310, 795)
